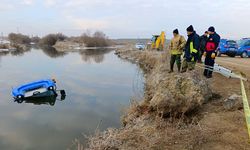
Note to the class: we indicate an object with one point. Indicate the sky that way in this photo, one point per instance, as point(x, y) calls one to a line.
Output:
point(125, 18)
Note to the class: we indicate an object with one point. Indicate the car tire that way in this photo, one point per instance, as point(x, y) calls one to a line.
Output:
point(19, 99)
point(244, 55)
point(51, 88)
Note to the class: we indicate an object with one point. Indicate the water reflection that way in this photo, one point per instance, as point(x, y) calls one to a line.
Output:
point(19, 52)
point(52, 52)
point(46, 100)
point(94, 55)
point(49, 100)
point(4, 53)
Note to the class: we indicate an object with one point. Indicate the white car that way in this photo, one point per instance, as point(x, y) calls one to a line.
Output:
point(140, 46)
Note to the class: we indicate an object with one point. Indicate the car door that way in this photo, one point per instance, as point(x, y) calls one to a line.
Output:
point(247, 47)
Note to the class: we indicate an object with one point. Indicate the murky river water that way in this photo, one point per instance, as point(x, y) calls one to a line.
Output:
point(98, 86)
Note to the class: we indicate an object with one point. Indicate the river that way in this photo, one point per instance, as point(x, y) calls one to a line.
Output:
point(98, 85)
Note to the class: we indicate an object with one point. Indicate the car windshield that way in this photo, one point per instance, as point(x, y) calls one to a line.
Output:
point(241, 42)
point(231, 42)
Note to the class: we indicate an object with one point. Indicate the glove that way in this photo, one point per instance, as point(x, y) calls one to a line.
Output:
point(205, 54)
point(213, 55)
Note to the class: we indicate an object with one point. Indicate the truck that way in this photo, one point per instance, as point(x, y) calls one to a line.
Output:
point(158, 41)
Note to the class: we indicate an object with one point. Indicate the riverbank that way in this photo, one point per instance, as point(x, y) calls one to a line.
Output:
point(178, 111)
point(20, 47)
point(69, 46)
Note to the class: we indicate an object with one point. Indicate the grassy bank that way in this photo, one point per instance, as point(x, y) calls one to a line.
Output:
point(178, 112)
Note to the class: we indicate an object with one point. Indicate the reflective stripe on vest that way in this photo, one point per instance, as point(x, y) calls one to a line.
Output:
point(192, 50)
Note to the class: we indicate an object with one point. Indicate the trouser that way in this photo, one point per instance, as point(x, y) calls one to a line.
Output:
point(177, 59)
point(190, 65)
point(201, 51)
point(209, 65)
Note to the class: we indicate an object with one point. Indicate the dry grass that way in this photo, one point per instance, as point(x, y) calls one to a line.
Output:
point(4, 46)
point(178, 112)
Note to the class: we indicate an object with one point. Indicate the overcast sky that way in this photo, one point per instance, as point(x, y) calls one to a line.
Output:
point(125, 18)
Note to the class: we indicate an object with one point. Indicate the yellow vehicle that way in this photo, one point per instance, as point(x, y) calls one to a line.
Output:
point(158, 41)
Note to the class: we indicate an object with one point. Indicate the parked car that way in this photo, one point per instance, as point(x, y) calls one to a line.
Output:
point(140, 46)
point(244, 48)
point(227, 47)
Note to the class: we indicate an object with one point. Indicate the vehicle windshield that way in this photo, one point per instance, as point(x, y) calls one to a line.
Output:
point(231, 42)
point(241, 42)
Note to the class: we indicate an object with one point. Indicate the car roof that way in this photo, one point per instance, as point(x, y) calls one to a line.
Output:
point(226, 40)
point(231, 41)
point(245, 39)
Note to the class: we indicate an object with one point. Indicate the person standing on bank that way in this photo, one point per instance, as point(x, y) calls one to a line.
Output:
point(191, 50)
point(176, 47)
point(203, 41)
point(211, 51)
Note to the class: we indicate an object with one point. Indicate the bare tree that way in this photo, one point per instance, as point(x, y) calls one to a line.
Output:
point(51, 39)
point(19, 38)
point(98, 39)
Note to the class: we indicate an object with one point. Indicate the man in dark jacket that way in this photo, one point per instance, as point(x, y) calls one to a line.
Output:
point(191, 50)
point(203, 41)
point(210, 51)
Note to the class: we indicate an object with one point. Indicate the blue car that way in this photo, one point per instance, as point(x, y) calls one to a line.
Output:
point(244, 48)
point(35, 89)
point(227, 47)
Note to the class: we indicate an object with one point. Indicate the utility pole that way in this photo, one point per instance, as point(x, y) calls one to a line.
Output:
point(2, 38)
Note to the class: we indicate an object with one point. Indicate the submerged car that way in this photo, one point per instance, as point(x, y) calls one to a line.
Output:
point(35, 89)
point(227, 47)
point(38, 92)
point(244, 48)
point(140, 46)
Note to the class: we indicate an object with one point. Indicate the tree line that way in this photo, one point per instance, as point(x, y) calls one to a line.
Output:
point(97, 39)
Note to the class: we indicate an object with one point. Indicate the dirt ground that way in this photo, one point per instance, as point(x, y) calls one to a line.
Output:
point(231, 124)
point(229, 86)
point(237, 63)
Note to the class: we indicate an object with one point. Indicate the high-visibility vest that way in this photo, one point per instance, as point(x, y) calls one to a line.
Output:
point(192, 50)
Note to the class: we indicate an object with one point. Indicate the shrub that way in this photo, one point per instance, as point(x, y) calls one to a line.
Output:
point(35, 39)
point(19, 38)
point(98, 39)
point(51, 39)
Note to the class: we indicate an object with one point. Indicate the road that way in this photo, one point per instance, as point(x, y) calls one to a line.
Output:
point(235, 64)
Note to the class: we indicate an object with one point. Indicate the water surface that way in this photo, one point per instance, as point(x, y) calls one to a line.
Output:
point(98, 86)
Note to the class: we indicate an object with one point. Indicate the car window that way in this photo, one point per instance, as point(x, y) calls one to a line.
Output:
point(247, 43)
point(244, 42)
point(231, 42)
point(241, 42)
